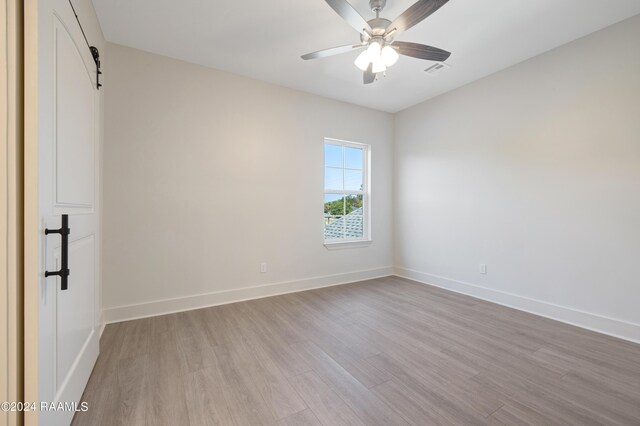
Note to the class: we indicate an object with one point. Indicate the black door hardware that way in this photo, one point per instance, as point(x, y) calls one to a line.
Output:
point(64, 231)
point(94, 50)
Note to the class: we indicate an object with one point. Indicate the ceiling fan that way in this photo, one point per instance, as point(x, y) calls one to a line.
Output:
point(376, 35)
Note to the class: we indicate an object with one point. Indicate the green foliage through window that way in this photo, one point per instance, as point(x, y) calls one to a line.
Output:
point(341, 207)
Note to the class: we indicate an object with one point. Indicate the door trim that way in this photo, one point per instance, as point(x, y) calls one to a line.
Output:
point(31, 225)
point(11, 212)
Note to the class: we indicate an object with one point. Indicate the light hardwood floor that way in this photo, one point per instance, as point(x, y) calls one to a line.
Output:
point(380, 352)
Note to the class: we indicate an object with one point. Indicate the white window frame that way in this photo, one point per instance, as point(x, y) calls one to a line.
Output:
point(366, 194)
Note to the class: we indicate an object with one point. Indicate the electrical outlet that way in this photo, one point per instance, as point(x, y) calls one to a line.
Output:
point(263, 267)
point(483, 269)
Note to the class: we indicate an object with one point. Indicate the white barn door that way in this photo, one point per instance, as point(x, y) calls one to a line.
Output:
point(68, 185)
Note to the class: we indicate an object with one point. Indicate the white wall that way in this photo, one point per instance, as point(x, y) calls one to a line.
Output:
point(534, 171)
point(208, 174)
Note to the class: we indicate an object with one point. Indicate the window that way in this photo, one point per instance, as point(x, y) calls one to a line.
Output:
point(346, 196)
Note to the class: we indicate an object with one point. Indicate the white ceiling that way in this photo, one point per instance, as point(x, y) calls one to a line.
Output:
point(264, 39)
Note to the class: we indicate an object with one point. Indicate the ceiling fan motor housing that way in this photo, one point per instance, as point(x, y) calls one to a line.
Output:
point(379, 27)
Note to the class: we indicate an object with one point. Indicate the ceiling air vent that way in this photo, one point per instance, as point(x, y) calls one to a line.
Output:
point(436, 68)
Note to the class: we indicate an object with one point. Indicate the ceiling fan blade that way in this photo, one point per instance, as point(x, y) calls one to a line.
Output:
point(332, 51)
point(349, 14)
point(415, 14)
point(421, 51)
point(369, 77)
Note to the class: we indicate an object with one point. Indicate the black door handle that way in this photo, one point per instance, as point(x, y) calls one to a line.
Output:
point(64, 232)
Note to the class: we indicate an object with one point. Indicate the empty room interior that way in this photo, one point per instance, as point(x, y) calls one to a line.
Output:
point(321, 212)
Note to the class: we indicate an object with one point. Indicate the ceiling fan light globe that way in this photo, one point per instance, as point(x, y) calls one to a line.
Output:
point(373, 51)
point(389, 56)
point(378, 66)
point(362, 61)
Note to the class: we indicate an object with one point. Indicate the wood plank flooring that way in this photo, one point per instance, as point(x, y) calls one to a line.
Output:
point(381, 352)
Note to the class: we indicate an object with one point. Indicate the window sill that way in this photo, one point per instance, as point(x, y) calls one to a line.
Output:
point(340, 245)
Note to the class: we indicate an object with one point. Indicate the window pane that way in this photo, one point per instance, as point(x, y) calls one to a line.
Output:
point(353, 220)
point(333, 216)
point(333, 178)
point(353, 157)
point(353, 180)
point(332, 155)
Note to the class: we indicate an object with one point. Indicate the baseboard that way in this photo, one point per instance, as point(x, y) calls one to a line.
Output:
point(102, 325)
point(610, 326)
point(162, 307)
